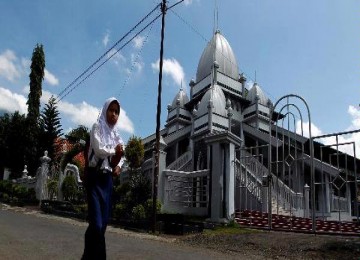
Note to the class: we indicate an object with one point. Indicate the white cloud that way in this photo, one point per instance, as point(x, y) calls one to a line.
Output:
point(50, 78)
point(345, 141)
point(86, 114)
point(188, 2)
point(79, 114)
point(125, 124)
point(137, 63)
point(8, 67)
point(46, 95)
point(172, 68)
point(26, 90)
point(116, 57)
point(11, 68)
point(355, 114)
point(106, 38)
point(315, 131)
point(12, 102)
point(138, 41)
point(25, 64)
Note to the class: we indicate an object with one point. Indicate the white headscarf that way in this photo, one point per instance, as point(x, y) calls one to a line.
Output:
point(108, 132)
point(104, 138)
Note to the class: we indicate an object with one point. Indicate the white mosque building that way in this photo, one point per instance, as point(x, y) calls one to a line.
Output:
point(225, 150)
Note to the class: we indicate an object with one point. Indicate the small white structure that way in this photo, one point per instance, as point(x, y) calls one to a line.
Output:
point(70, 169)
point(26, 180)
point(42, 177)
point(6, 174)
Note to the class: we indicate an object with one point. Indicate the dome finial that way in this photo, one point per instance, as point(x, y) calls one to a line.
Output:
point(216, 17)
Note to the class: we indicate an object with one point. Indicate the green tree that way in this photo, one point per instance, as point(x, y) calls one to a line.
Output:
point(134, 194)
point(74, 136)
point(134, 152)
point(140, 186)
point(50, 128)
point(36, 77)
point(4, 126)
point(77, 134)
point(15, 144)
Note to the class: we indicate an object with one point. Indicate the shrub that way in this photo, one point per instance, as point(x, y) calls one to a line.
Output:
point(69, 188)
point(15, 193)
point(15, 201)
point(120, 211)
point(140, 187)
point(81, 209)
point(120, 191)
point(52, 188)
point(5, 197)
point(149, 208)
point(138, 212)
point(6, 186)
point(31, 195)
point(20, 192)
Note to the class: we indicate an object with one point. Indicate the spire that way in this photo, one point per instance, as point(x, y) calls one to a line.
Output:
point(216, 17)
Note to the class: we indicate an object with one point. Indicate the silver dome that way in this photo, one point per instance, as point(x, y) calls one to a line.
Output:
point(217, 97)
point(219, 50)
point(181, 98)
point(256, 92)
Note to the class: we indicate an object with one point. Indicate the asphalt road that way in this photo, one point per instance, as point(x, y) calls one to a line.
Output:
point(28, 234)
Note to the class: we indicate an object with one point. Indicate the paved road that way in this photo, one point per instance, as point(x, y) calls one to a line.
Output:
point(28, 234)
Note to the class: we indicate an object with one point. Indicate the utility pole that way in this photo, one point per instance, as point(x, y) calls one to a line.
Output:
point(158, 112)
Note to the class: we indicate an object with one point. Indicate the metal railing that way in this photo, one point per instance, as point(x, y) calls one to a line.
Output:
point(339, 204)
point(184, 159)
point(284, 194)
point(187, 189)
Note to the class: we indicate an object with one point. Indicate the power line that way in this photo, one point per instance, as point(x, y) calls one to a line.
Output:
point(136, 59)
point(61, 95)
point(117, 50)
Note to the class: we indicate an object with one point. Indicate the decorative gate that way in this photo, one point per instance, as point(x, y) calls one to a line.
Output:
point(305, 184)
point(341, 187)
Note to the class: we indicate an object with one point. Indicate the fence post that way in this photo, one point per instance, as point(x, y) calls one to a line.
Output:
point(306, 201)
point(264, 193)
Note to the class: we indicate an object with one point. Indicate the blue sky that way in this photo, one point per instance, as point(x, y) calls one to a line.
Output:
point(304, 47)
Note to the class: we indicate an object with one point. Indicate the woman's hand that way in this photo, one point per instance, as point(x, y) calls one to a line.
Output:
point(115, 159)
point(116, 171)
point(119, 150)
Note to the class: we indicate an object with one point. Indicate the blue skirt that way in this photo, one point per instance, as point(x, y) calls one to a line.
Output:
point(99, 186)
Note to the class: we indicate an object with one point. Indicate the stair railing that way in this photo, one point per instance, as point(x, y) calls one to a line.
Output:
point(285, 195)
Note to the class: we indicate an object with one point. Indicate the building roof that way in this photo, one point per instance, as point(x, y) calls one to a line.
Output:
point(219, 50)
point(256, 92)
point(181, 98)
point(215, 95)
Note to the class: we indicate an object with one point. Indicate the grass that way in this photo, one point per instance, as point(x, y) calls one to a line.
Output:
point(231, 229)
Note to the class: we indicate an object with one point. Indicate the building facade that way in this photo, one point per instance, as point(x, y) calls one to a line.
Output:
point(226, 148)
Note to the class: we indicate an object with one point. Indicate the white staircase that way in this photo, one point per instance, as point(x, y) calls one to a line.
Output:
point(249, 172)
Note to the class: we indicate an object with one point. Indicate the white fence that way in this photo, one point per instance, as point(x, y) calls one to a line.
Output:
point(186, 192)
